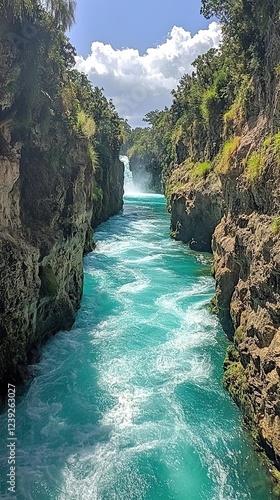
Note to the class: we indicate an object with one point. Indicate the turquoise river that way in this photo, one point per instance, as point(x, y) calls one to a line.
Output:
point(129, 404)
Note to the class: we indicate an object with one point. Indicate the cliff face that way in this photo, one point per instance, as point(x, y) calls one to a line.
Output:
point(45, 227)
point(110, 178)
point(243, 217)
point(246, 247)
point(240, 213)
point(48, 186)
point(196, 209)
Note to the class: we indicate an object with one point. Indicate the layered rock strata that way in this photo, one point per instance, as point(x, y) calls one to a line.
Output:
point(238, 218)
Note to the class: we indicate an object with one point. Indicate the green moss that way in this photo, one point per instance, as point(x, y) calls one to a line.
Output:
point(276, 480)
point(255, 166)
point(231, 356)
point(277, 69)
point(214, 309)
point(235, 382)
point(97, 194)
point(239, 335)
point(229, 149)
point(233, 379)
point(49, 283)
point(200, 170)
point(275, 226)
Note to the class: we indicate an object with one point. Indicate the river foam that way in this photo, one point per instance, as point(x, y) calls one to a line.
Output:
point(129, 405)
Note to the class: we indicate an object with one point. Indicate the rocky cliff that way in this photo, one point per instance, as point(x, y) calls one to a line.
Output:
point(232, 207)
point(235, 211)
point(196, 207)
point(51, 188)
point(246, 247)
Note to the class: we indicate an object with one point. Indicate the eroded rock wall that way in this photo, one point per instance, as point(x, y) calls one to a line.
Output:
point(45, 227)
point(246, 248)
point(196, 209)
point(242, 212)
point(47, 185)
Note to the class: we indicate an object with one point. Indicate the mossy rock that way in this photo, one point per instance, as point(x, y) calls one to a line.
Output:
point(239, 335)
point(276, 481)
point(49, 284)
point(213, 306)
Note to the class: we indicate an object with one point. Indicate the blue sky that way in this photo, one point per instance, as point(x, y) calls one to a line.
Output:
point(137, 24)
point(138, 50)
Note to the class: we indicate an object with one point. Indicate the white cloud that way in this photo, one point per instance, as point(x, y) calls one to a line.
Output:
point(141, 83)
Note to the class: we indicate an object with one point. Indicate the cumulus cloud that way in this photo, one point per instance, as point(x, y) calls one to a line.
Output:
point(141, 83)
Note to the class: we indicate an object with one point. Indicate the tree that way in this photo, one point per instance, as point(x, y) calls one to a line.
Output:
point(62, 11)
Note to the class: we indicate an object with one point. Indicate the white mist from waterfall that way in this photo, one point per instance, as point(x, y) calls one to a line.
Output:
point(139, 184)
point(129, 187)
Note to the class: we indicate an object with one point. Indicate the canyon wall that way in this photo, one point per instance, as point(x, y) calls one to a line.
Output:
point(48, 202)
point(236, 214)
point(231, 206)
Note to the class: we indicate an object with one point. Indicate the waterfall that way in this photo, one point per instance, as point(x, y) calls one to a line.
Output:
point(129, 187)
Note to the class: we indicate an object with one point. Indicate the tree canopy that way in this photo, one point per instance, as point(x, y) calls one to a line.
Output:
point(62, 11)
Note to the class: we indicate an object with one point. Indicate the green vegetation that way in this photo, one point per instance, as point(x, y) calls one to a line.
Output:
point(49, 284)
point(239, 335)
point(93, 156)
point(174, 234)
point(255, 165)
point(275, 226)
point(48, 94)
point(61, 11)
point(228, 95)
point(200, 170)
point(97, 194)
point(210, 107)
point(224, 159)
point(235, 117)
point(150, 148)
point(276, 477)
point(208, 102)
point(213, 306)
point(85, 124)
point(235, 382)
point(275, 141)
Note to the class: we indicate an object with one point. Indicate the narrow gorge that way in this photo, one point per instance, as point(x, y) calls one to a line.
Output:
point(161, 296)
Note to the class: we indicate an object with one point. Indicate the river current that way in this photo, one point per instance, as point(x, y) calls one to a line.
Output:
point(129, 405)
